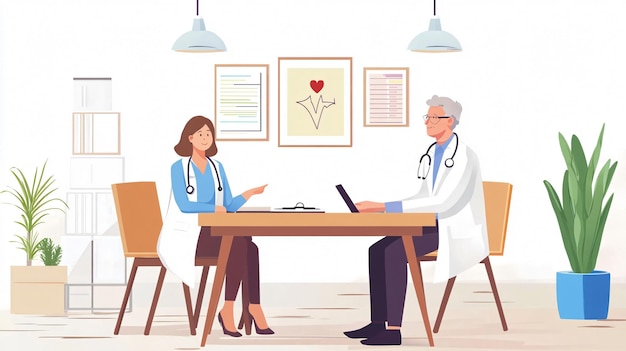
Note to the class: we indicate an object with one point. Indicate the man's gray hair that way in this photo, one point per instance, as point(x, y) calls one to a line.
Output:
point(450, 107)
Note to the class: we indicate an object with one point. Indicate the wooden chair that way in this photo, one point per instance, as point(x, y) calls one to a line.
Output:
point(140, 221)
point(497, 204)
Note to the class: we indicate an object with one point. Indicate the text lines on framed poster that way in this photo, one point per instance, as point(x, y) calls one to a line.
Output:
point(386, 96)
point(315, 101)
point(241, 102)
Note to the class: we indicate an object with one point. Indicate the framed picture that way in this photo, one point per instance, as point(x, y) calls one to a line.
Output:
point(315, 101)
point(241, 102)
point(386, 97)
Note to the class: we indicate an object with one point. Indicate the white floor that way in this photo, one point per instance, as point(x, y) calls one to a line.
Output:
point(313, 317)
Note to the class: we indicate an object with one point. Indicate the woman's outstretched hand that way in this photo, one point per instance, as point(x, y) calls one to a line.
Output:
point(254, 191)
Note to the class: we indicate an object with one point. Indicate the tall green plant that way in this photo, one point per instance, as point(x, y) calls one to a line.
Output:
point(34, 200)
point(582, 213)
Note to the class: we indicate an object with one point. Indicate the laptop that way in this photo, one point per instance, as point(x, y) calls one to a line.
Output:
point(346, 198)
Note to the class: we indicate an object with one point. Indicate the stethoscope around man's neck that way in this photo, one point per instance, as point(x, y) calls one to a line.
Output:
point(449, 162)
point(191, 189)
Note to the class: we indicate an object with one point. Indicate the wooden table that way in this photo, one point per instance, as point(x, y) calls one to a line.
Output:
point(229, 225)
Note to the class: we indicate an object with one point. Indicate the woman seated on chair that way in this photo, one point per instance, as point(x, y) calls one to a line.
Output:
point(199, 184)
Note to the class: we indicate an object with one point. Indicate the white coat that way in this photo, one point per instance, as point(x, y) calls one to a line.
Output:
point(178, 239)
point(457, 197)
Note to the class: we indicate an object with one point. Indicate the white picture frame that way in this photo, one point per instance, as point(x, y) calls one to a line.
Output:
point(241, 103)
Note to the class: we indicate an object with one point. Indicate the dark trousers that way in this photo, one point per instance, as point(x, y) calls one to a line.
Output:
point(243, 263)
point(388, 274)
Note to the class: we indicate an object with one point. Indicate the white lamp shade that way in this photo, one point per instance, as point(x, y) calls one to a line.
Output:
point(434, 40)
point(199, 40)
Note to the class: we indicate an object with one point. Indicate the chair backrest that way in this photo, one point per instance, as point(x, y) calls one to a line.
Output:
point(497, 204)
point(139, 217)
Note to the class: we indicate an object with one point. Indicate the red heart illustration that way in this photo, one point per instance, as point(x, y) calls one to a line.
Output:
point(317, 85)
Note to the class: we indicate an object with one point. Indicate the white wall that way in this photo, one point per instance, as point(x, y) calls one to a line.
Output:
point(529, 69)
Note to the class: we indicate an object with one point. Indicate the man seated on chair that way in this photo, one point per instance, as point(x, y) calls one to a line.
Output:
point(450, 185)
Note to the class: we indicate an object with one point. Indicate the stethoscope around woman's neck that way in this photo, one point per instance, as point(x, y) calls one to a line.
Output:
point(190, 188)
point(449, 162)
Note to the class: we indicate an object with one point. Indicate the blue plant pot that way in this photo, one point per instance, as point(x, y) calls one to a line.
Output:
point(583, 295)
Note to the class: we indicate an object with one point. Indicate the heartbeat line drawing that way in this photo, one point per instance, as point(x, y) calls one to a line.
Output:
point(314, 110)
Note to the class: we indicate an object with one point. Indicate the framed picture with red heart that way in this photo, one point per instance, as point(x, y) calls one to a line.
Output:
point(315, 101)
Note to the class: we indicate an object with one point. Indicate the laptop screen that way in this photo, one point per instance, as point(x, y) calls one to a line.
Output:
point(346, 198)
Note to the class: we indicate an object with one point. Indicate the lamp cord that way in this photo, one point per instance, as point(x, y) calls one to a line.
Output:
point(434, 7)
point(197, 5)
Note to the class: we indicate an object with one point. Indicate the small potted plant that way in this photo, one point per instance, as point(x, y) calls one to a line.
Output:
point(46, 286)
point(35, 201)
point(581, 211)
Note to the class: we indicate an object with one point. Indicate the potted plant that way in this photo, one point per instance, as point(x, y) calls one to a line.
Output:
point(40, 289)
point(34, 199)
point(583, 292)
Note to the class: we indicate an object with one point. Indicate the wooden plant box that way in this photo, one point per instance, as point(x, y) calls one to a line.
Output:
point(38, 290)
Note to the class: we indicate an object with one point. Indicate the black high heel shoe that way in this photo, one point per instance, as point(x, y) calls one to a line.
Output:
point(266, 331)
point(234, 334)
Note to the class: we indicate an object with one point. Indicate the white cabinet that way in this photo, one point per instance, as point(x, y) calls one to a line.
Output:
point(92, 94)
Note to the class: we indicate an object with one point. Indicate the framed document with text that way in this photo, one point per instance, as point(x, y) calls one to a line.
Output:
point(386, 97)
point(241, 102)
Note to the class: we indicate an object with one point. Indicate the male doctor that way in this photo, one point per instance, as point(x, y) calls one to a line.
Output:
point(450, 185)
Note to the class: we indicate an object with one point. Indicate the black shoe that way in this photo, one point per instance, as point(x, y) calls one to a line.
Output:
point(386, 337)
point(234, 334)
point(266, 331)
point(367, 331)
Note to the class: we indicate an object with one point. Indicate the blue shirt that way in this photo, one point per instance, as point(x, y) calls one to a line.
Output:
point(439, 149)
point(204, 189)
point(396, 206)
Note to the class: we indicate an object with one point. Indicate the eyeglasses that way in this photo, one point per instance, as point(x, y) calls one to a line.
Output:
point(434, 119)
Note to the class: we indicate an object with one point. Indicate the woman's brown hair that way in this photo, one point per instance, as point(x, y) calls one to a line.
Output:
point(184, 147)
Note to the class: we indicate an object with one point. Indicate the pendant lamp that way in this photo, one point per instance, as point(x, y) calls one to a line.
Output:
point(199, 39)
point(434, 39)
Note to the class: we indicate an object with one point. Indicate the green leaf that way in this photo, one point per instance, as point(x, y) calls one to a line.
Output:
point(593, 162)
point(570, 246)
point(593, 255)
point(565, 150)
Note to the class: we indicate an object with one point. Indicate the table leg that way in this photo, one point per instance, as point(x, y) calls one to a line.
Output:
point(416, 274)
point(218, 281)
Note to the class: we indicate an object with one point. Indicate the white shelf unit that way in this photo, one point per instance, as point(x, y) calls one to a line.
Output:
point(97, 264)
point(92, 247)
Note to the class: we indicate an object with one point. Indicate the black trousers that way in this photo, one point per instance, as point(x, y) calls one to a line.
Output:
point(243, 263)
point(388, 274)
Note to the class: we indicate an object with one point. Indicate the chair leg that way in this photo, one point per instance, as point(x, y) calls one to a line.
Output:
point(444, 303)
point(129, 287)
point(198, 308)
point(155, 299)
point(494, 289)
point(245, 303)
point(190, 316)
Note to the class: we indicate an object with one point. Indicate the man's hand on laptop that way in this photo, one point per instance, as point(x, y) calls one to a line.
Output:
point(370, 206)
point(220, 209)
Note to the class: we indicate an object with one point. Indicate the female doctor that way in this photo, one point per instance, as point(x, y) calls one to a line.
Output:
point(449, 184)
point(199, 184)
